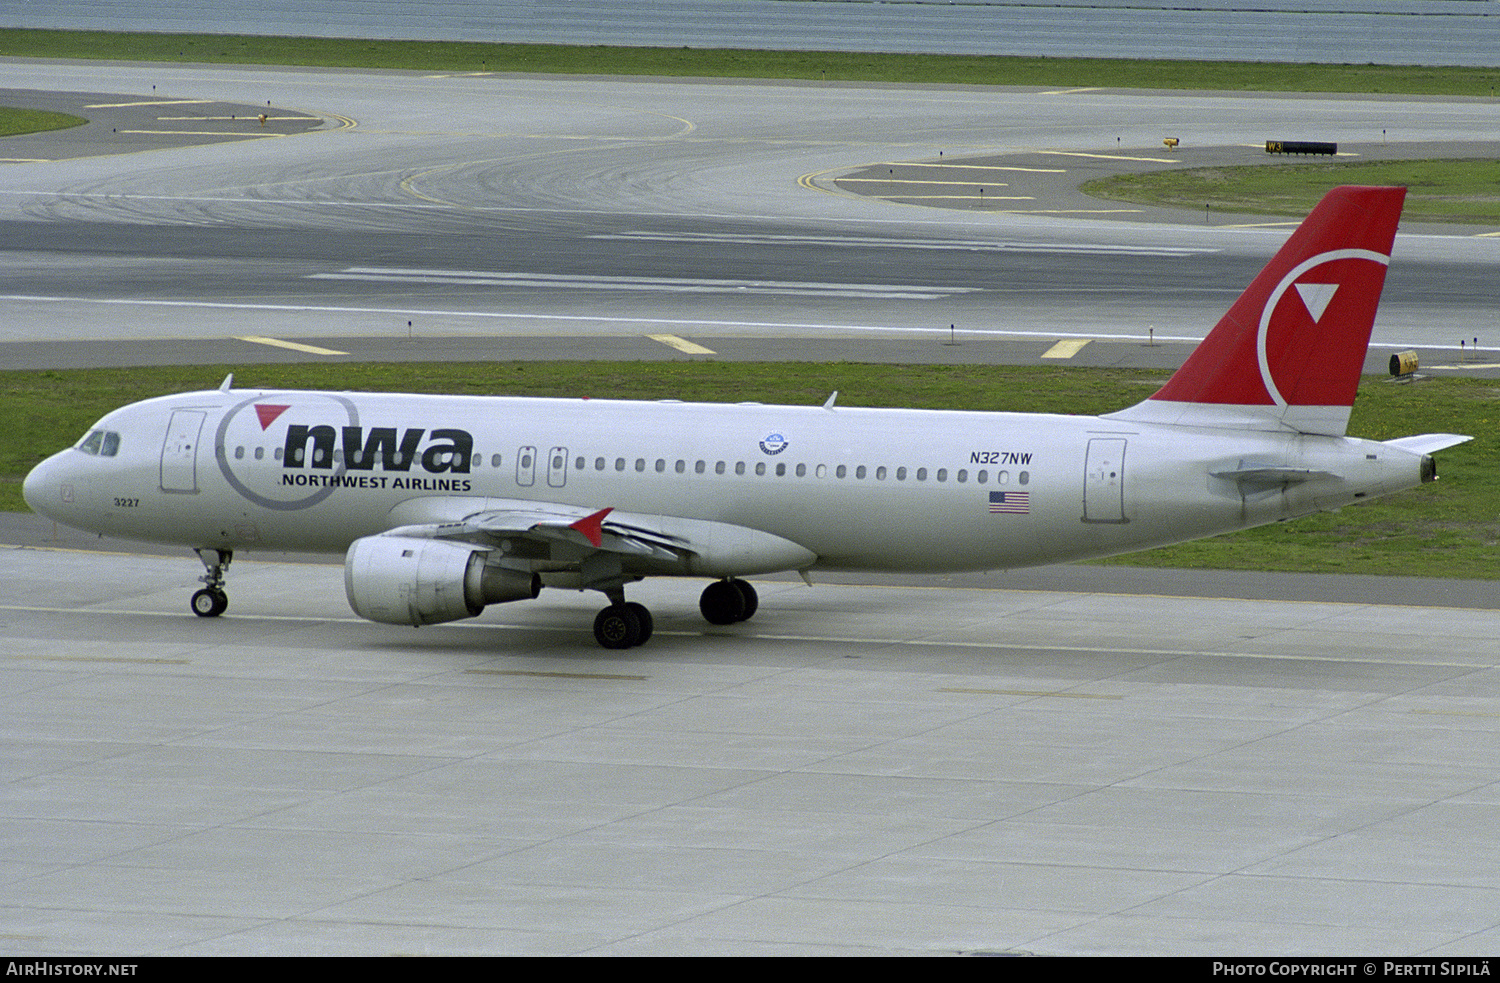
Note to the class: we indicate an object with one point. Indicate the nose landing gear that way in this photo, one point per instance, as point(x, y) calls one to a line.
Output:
point(212, 601)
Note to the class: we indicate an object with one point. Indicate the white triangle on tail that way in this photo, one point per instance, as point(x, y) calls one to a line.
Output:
point(1316, 296)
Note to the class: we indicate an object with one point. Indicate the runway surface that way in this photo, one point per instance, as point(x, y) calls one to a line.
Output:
point(497, 209)
point(999, 764)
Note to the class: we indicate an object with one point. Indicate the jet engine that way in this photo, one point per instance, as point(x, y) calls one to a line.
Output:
point(403, 581)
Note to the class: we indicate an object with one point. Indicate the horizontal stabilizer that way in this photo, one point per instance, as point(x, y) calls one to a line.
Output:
point(1427, 443)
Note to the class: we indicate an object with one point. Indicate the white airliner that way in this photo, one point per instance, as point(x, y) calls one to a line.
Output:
point(444, 504)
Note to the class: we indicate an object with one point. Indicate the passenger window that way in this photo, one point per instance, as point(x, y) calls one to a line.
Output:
point(739, 467)
point(801, 470)
point(494, 460)
point(760, 468)
point(921, 474)
point(900, 474)
point(963, 475)
point(1025, 477)
point(983, 476)
point(859, 472)
point(681, 467)
point(239, 453)
point(661, 466)
point(880, 473)
point(719, 467)
point(942, 474)
point(260, 453)
point(619, 464)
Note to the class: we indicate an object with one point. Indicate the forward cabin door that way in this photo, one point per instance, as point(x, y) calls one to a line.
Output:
point(179, 452)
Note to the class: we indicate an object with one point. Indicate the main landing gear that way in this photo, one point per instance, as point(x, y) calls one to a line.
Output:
point(212, 601)
point(625, 625)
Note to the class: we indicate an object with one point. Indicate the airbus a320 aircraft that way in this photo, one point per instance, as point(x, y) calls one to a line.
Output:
point(445, 504)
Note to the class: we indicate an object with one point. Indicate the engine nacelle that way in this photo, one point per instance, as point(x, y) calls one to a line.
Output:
point(402, 581)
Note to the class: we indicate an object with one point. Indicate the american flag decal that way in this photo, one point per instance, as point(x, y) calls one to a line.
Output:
point(1010, 503)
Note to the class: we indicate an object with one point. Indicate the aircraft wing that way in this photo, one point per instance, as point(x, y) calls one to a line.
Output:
point(557, 537)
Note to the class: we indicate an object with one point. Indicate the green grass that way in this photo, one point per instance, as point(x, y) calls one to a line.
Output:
point(14, 122)
point(1447, 529)
point(456, 56)
point(1465, 191)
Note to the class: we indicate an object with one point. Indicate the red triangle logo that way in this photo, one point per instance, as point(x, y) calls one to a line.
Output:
point(268, 413)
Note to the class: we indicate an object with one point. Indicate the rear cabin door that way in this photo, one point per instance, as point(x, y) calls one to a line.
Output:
point(1104, 480)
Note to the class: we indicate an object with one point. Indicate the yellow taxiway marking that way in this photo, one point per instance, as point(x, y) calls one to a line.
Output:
point(908, 180)
point(899, 196)
point(1073, 153)
point(1466, 365)
point(229, 119)
point(201, 133)
point(149, 102)
point(293, 345)
point(681, 344)
point(1069, 92)
point(1066, 348)
point(971, 167)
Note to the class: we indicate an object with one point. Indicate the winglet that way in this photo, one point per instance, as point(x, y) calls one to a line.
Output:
point(592, 526)
point(1288, 354)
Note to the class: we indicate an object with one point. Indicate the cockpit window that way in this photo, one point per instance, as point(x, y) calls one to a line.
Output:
point(102, 443)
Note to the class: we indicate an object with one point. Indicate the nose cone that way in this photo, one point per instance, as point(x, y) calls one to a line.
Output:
point(46, 491)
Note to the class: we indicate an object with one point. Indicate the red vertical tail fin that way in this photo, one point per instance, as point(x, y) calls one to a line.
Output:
point(1289, 353)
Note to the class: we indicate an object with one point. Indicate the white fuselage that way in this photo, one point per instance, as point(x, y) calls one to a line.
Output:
point(867, 489)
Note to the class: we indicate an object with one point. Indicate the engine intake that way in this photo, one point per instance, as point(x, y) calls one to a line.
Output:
point(402, 581)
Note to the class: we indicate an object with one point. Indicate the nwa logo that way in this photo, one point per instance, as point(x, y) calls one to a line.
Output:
point(325, 449)
point(444, 451)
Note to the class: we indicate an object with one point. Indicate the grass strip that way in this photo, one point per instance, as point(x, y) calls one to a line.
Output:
point(15, 122)
point(473, 56)
point(1460, 190)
